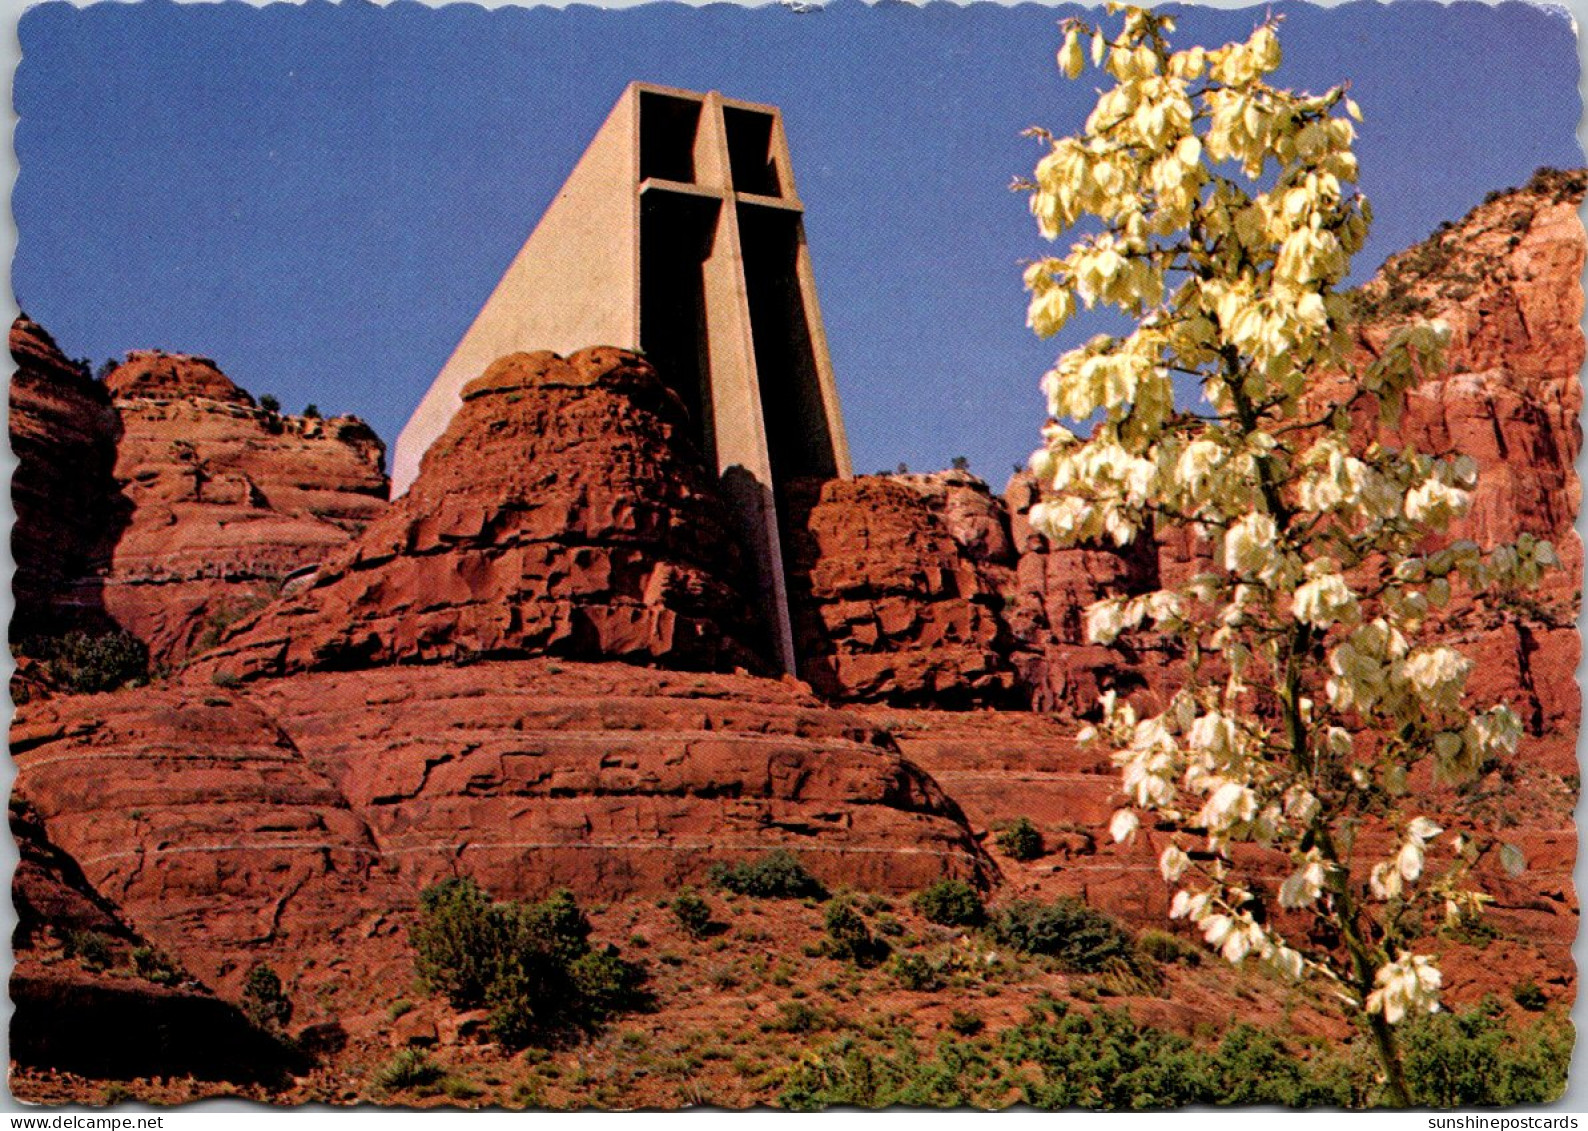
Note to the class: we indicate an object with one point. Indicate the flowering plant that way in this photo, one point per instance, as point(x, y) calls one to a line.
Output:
point(1226, 217)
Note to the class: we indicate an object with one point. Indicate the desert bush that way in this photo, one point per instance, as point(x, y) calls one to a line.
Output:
point(152, 966)
point(409, 1070)
point(849, 938)
point(265, 1003)
point(1161, 946)
point(776, 875)
point(270, 403)
point(951, 903)
point(914, 972)
point(796, 1017)
point(965, 1024)
point(458, 941)
point(92, 949)
point(1474, 1059)
point(87, 662)
point(531, 964)
point(1527, 995)
point(692, 912)
point(1084, 940)
point(1021, 840)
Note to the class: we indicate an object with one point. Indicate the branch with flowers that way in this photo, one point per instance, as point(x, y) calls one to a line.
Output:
point(1309, 693)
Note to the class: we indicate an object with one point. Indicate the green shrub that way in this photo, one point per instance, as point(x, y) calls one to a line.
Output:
point(460, 1088)
point(458, 940)
point(914, 972)
point(264, 1001)
point(1021, 840)
point(1084, 940)
point(92, 949)
point(693, 913)
point(152, 966)
point(311, 412)
point(776, 875)
point(1474, 1059)
point(531, 964)
point(1161, 946)
point(965, 1024)
point(1527, 994)
point(409, 1070)
point(269, 403)
point(849, 938)
point(951, 903)
point(1104, 1060)
point(87, 662)
point(796, 1017)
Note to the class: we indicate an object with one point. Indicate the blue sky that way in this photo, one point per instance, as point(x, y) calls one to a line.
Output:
point(321, 197)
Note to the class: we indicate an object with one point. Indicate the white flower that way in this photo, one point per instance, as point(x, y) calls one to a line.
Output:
point(1385, 880)
point(1124, 825)
point(1410, 984)
point(1173, 862)
point(1104, 621)
point(1439, 676)
point(1409, 861)
point(1303, 887)
point(1230, 803)
point(1288, 962)
point(1249, 545)
point(1432, 503)
point(1235, 936)
point(1423, 828)
point(1324, 601)
point(1071, 59)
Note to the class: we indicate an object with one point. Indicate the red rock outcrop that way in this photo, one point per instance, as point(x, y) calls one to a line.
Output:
point(562, 513)
point(223, 500)
point(63, 433)
point(896, 584)
point(298, 820)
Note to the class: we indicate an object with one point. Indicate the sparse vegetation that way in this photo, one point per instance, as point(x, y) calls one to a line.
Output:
point(1527, 995)
point(951, 903)
point(92, 950)
point(1021, 840)
point(914, 972)
point(693, 913)
point(410, 1070)
point(849, 938)
point(1084, 940)
point(531, 964)
point(88, 662)
point(269, 403)
point(265, 1003)
point(1161, 946)
point(152, 966)
point(965, 1024)
point(776, 875)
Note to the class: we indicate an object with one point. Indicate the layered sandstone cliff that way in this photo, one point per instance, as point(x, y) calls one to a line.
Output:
point(223, 500)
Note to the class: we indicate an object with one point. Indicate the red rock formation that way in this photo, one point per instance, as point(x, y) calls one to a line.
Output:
point(223, 500)
point(299, 820)
point(896, 585)
point(63, 433)
point(562, 513)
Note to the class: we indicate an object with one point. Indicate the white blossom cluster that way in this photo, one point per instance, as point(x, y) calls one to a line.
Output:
point(1228, 215)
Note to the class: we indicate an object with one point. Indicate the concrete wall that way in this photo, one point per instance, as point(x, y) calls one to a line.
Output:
point(675, 171)
point(570, 286)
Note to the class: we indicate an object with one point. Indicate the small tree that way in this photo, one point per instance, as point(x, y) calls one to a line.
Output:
point(270, 403)
point(265, 1003)
point(1306, 697)
point(951, 903)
